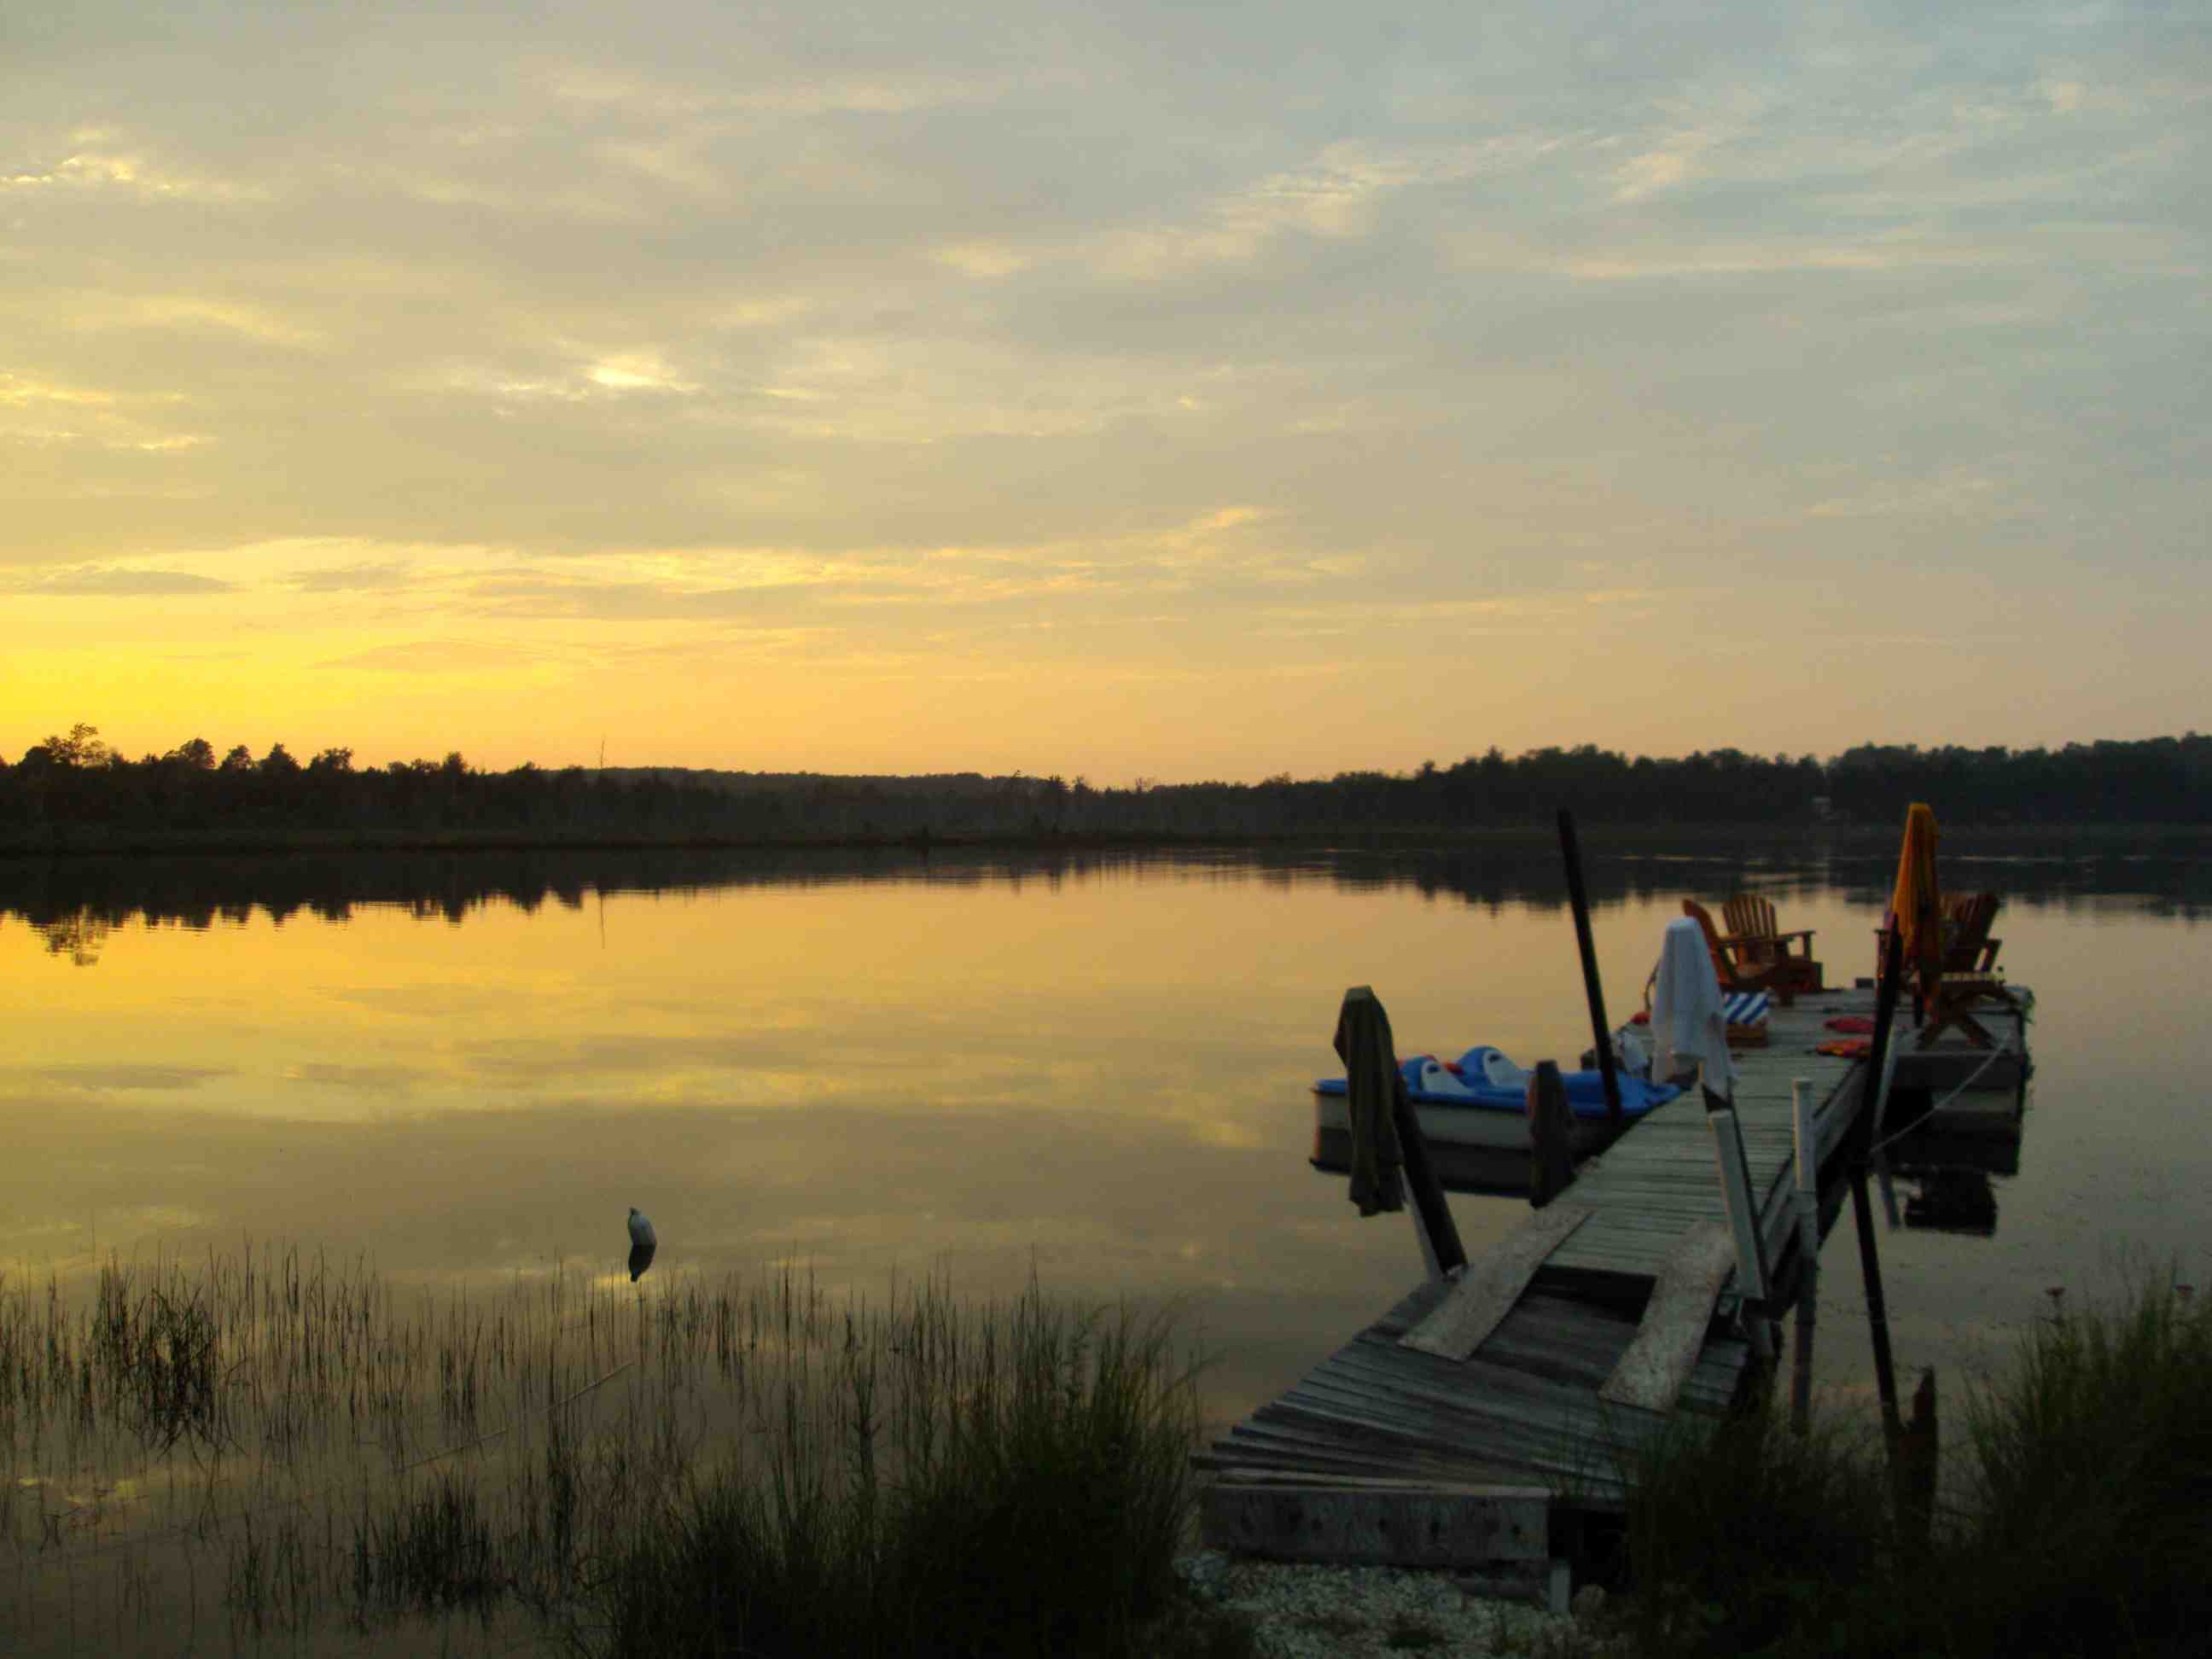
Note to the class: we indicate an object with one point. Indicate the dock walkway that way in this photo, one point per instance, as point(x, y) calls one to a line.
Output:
point(1523, 1411)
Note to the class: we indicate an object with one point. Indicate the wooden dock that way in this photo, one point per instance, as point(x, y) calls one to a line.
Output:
point(1581, 1333)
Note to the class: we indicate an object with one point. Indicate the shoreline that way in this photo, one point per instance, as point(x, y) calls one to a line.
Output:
point(2089, 837)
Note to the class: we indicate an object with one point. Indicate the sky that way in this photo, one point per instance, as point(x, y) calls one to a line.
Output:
point(1189, 391)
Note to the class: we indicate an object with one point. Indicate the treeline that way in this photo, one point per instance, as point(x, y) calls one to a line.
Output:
point(75, 790)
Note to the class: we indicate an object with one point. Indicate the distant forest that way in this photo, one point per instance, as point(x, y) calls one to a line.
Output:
point(76, 791)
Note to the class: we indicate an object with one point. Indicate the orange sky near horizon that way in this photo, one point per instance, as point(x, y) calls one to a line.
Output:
point(1126, 392)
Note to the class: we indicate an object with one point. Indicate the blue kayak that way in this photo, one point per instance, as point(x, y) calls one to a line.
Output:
point(1484, 1078)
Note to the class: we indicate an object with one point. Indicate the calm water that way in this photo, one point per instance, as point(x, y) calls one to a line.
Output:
point(465, 1070)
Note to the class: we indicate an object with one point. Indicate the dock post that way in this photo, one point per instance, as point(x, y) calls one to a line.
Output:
point(1432, 1218)
point(1806, 1152)
point(1753, 1279)
point(1867, 1133)
point(1578, 896)
point(1550, 1135)
point(1885, 1368)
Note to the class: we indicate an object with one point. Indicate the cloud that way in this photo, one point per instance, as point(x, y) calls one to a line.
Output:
point(1954, 495)
point(130, 172)
point(116, 582)
point(374, 576)
point(155, 1078)
point(368, 1080)
point(434, 657)
point(186, 313)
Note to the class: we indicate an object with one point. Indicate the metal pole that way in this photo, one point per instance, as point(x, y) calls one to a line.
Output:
point(1600, 1029)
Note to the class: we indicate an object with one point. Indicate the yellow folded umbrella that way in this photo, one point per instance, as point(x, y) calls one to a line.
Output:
point(1916, 908)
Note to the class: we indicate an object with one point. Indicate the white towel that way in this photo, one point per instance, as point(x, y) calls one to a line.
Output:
point(1687, 1024)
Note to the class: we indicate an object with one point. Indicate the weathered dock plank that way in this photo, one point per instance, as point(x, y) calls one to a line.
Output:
point(1429, 1526)
point(1488, 1289)
point(1651, 1373)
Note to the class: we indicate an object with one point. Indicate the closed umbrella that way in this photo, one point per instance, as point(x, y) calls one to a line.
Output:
point(1916, 908)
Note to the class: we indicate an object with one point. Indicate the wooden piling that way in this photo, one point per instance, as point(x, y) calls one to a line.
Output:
point(1432, 1215)
point(1550, 1135)
point(1600, 1029)
point(1807, 1147)
point(1885, 1017)
point(1919, 1454)
point(1885, 1368)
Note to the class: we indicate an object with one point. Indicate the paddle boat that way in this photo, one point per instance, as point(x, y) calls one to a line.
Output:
point(1477, 1105)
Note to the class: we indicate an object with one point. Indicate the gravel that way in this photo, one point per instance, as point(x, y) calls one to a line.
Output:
point(1321, 1613)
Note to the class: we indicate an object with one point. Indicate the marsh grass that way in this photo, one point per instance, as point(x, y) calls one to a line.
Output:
point(2080, 1518)
point(1017, 1482)
point(277, 1445)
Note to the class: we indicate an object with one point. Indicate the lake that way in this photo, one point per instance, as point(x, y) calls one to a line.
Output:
point(1093, 1070)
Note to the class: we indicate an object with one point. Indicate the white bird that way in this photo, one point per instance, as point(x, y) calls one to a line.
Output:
point(641, 1230)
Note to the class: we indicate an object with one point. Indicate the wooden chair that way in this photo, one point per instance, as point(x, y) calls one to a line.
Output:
point(1967, 947)
point(1785, 978)
point(1952, 1001)
point(1969, 978)
point(1752, 923)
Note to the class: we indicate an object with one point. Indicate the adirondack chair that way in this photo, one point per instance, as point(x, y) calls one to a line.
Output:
point(1969, 976)
point(1969, 979)
point(1953, 1001)
point(1967, 947)
point(1783, 977)
point(1752, 923)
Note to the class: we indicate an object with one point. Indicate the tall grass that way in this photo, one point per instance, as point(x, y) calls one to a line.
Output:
point(2080, 1520)
point(1013, 1483)
point(741, 1466)
point(2091, 1484)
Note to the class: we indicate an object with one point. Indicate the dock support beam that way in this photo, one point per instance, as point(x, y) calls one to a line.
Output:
point(1601, 1031)
point(1807, 1151)
point(1885, 1368)
point(1550, 1135)
point(1877, 1063)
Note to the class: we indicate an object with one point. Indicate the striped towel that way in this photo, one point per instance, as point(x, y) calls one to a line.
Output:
point(1746, 1007)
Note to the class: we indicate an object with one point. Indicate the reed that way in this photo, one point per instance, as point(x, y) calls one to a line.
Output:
point(737, 1462)
point(2078, 1521)
point(1012, 1482)
point(2090, 1482)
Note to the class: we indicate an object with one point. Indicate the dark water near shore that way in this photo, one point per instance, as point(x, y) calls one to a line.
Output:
point(464, 1068)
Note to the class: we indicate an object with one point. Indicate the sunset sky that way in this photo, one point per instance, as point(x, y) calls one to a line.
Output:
point(1173, 390)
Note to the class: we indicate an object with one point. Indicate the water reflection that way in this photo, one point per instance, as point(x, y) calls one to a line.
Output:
point(75, 902)
point(1952, 1200)
point(1955, 1158)
point(1094, 1069)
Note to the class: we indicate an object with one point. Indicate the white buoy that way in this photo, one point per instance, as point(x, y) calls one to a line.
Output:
point(641, 1230)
